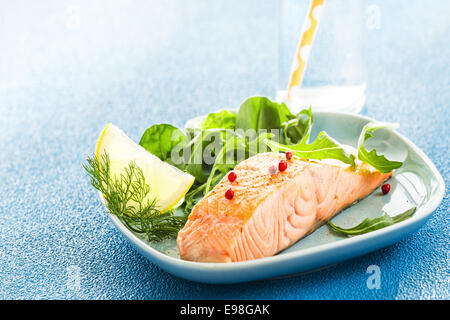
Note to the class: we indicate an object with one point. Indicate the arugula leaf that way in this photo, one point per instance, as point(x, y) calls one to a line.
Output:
point(324, 147)
point(259, 113)
point(295, 129)
point(379, 162)
point(222, 119)
point(368, 225)
point(160, 139)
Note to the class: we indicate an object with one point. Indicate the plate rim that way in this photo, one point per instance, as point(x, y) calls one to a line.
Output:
point(422, 214)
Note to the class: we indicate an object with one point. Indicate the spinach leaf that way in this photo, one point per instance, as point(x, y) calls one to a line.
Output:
point(259, 113)
point(379, 162)
point(222, 119)
point(368, 225)
point(161, 139)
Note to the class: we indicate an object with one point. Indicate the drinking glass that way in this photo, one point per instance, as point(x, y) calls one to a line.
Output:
point(334, 77)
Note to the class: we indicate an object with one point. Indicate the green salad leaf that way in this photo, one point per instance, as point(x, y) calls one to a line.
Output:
point(200, 152)
point(222, 119)
point(161, 139)
point(235, 150)
point(295, 129)
point(259, 113)
point(377, 161)
point(368, 225)
point(193, 157)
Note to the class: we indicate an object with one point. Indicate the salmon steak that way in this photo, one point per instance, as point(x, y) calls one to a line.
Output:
point(269, 212)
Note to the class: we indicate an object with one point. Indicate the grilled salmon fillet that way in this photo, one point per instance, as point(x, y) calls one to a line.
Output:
point(268, 212)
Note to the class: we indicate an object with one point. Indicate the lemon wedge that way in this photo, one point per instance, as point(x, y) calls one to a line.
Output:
point(168, 184)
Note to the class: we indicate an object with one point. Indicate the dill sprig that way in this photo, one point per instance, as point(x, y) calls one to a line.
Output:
point(126, 197)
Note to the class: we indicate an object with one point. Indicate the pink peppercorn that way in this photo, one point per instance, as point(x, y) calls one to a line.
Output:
point(232, 176)
point(229, 194)
point(385, 188)
point(282, 165)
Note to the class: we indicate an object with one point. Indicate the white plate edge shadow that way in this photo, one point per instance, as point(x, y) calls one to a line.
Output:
point(185, 269)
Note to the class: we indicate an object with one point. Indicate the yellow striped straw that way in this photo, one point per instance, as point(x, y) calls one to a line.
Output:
point(304, 45)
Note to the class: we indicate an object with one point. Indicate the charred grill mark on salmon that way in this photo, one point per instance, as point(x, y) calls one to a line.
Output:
point(268, 212)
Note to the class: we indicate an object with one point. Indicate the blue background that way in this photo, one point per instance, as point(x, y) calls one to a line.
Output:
point(69, 67)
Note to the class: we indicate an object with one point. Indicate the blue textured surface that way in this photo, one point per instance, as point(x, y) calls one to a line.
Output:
point(68, 68)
